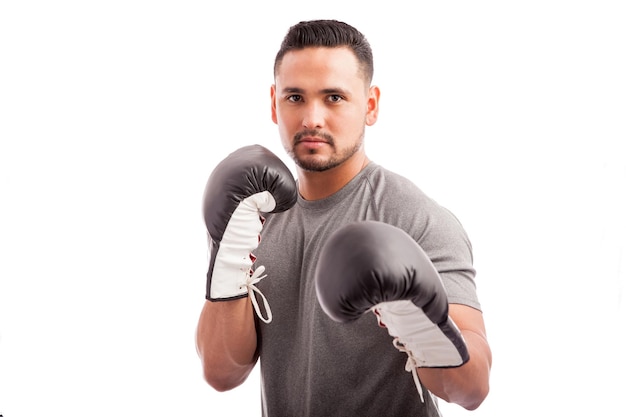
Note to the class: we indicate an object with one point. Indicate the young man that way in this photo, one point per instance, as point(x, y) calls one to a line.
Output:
point(322, 239)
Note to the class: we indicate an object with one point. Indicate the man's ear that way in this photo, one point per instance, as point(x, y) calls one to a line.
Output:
point(273, 96)
point(372, 105)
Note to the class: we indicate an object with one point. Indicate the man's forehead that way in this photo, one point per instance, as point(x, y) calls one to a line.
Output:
point(318, 63)
point(323, 56)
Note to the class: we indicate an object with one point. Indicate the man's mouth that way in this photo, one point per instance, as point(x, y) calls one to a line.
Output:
point(313, 138)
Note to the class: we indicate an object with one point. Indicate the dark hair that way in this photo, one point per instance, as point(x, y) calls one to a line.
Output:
point(328, 34)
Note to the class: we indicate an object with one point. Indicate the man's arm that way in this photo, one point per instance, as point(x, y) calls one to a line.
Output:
point(467, 385)
point(248, 182)
point(226, 342)
point(373, 266)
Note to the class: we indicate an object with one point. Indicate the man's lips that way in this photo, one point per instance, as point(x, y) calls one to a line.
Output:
point(311, 143)
point(311, 140)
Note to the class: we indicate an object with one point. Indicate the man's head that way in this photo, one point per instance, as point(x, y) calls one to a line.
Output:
point(322, 98)
point(328, 34)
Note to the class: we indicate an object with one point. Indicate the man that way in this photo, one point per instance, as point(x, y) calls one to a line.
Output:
point(320, 353)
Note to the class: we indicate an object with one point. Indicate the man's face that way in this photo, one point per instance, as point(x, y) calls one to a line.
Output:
point(321, 104)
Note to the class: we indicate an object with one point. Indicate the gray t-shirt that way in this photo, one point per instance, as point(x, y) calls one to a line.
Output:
point(313, 366)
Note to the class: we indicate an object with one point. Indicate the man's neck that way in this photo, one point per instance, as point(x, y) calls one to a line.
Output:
point(317, 185)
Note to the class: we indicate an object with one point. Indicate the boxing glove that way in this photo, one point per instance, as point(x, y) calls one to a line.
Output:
point(374, 266)
point(247, 183)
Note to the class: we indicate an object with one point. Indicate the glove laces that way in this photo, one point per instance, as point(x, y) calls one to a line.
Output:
point(250, 285)
point(411, 365)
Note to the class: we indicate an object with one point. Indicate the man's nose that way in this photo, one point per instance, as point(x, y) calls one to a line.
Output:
point(313, 117)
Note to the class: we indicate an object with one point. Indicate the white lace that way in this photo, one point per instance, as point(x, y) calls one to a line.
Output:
point(411, 365)
point(252, 289)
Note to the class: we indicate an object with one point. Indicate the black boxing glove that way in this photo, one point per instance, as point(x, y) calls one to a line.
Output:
point(247, 183)
point(374, 266)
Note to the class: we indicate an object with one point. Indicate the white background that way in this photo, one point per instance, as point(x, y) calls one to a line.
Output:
point(113, 114)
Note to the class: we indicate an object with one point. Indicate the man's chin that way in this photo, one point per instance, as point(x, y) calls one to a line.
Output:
point(315, 163)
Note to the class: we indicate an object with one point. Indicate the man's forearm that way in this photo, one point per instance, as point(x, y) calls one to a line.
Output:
point(467, 385)
point(226, 342)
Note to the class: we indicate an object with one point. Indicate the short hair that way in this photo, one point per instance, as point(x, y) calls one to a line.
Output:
point(328, 34)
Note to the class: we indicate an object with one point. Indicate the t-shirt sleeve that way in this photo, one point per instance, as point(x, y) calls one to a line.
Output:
point(436, 229)
point(446, 242)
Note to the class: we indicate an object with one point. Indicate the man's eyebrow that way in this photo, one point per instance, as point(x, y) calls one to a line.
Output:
point(293, 90)
point(331, 90)
point(334, 90)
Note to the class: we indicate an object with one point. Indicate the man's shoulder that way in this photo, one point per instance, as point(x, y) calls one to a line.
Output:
point(387, 182)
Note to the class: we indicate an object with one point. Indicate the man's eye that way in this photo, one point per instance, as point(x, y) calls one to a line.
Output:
point(294, 98)
point(335, 98)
